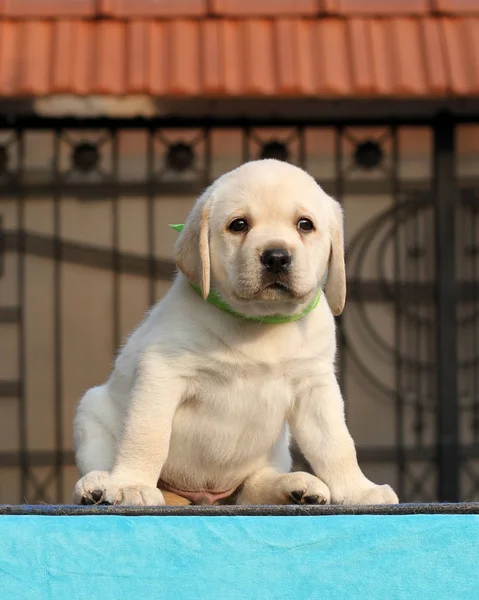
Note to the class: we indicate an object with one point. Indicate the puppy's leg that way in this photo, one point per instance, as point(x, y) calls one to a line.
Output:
point(319, 426)
point(94, 444)
point(268, 486)
point(95, 428)
point(280, 455)
point(144, 442)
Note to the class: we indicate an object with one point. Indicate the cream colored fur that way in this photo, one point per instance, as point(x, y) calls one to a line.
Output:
point(206, 400)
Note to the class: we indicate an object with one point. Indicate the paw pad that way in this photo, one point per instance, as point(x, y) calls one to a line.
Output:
point(94, 497)
point(298, 497)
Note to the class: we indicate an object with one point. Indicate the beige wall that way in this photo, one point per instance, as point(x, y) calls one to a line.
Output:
point(87, 294)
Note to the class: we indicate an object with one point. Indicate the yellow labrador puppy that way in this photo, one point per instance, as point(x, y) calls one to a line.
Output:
point(238, 353)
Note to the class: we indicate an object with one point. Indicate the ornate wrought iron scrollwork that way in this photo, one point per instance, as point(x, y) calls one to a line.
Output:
point(176, 158)
point(180, 157)
point(275, 149)
point(412, 297)
point(85, 157)
point(368, 155)
point(285, 144)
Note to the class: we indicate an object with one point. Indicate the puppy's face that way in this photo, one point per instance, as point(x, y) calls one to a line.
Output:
point(269, 239)
point(271, 234)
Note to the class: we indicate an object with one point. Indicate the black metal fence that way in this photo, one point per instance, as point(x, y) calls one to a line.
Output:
point(410, 333)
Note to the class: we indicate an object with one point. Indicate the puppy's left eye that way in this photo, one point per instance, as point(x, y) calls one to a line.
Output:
point(305, 225)
point(238, 226)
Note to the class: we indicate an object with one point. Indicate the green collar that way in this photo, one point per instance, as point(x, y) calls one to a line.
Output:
point(216, 300)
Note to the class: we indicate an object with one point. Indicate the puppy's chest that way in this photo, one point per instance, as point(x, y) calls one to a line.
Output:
point(245, 389)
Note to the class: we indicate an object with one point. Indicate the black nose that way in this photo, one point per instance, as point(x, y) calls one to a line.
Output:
point(276, 260)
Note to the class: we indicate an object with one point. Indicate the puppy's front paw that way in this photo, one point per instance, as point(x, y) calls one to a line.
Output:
point(90, 489)
point(125, 493)
point(98, 487)
point(303, 488)
point(379, 494)
point(370, 494)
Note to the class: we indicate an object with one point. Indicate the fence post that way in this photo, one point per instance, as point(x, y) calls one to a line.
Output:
point(446, 195)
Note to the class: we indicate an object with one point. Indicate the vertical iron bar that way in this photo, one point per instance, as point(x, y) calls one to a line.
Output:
point(246, 137)
point(208, 157)
point(22, 334)
point(2, 247)
point(398, 321)
point(446, 197)
point(57, 319)
point(115, 244)
point(417, 332)
point(475, 321)
point(151, 217)
point(302, 147)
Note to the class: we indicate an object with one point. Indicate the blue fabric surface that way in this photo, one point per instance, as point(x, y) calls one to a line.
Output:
point(336, 557)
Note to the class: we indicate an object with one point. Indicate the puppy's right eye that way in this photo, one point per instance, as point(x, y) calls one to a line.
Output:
point(238, 226)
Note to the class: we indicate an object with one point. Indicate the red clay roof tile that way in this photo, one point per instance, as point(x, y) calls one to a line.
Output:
point(62, 63)
point(434, 58)
point(460, 46)
point(333, 72)
point(458, 77)
point(455, 7)
point(152, 8)
point(157, 62)
point(48, 8)
point(276, 57)
point(381, 57)
point(362, 69)
point(329, 7)
point(264, 8)
point(408, 61)
point(83, 53)
point(471, 27)
point(234, 66)
point(376, 7)
point(306, 66)
point(232, 8)
point(184, 58)
point(260, 68)
point(110, 58)
point(136, 57)
point(213, 64)
point(286, 42)
point(8, 55)
point(35, 42)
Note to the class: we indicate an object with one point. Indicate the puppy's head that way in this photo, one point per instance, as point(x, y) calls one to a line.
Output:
point(264, 235)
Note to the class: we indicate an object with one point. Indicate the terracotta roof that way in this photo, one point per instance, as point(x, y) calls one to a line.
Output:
point(228, 8)
point(240, 48)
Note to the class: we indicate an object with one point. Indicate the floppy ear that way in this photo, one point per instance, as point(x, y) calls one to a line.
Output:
point(192, 251)
point(335, 288)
